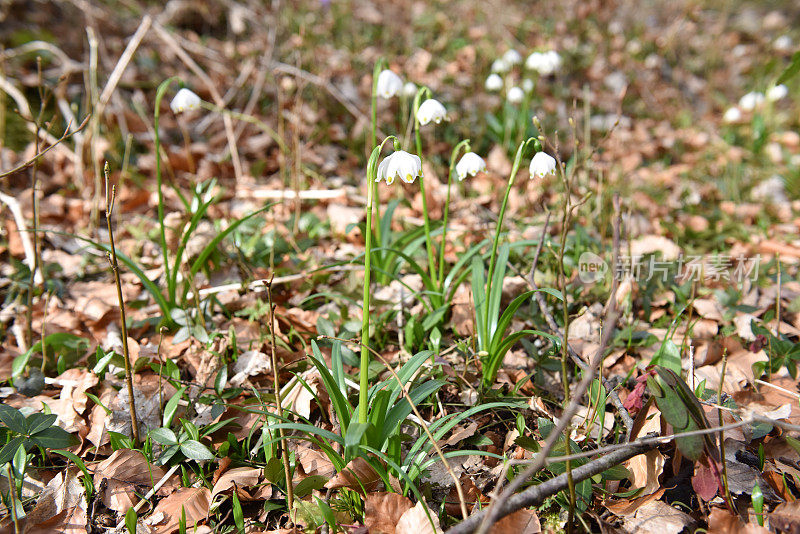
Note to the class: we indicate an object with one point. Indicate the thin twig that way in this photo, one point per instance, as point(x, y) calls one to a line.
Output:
point(35, 158)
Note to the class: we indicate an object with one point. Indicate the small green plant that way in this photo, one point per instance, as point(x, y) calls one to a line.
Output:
point(185, 443)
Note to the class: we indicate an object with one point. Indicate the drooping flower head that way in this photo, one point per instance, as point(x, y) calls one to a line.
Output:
point(500, 65)
point(470, 164)
point(542, 164)
point(512, 57)
point(545, 63)
point(400, 164)
point(515, 95)
point(184, 100)
point(494, 83)
point(732, 114)
point(777, 92)
point(751, 101)
point(389, 84)
point(431, 110)
point(409, 89)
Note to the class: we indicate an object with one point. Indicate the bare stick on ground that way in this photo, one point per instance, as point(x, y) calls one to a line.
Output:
point(110, 196)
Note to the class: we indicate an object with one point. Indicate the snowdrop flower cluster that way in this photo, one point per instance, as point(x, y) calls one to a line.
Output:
point(184, 100)
point(542, 164)
point(494, 83)
point(389, 84)
point(783, 44)
point(400, 164)
point(469, 164)
point(545, 63)
point(431, 110)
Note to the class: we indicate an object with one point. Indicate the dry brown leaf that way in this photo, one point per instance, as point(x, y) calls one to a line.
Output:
point(126, 472)
point(645, 470)
point(720, 521)
point(520, 522)
point(60, 508)
point(626, 508)
point(382, 511)
point(708, 308)
point(242, 477)
point(194, 501)
point(416, 521)
point(315, 462)
point(657, 517)
point(356, 474)
point(786, 517)
point(461, 433)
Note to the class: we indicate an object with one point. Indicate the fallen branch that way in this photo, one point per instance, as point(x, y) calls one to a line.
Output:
point(535, 495)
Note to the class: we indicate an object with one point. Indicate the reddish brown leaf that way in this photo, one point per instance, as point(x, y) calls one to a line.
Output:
point(382, 511)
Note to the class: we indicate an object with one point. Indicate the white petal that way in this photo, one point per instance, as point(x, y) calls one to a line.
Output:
point(431, 110)
point(515, 95)
point(409, 90)
point(494, 83)
point(184, 100)
point(389, 84)
point(542, 164)
point(470, 164)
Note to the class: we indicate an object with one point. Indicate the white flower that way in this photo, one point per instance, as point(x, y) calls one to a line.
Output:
point(512, 57)
point(494, 83)
point(410, 90)
point(389, 84)
point(751, 100)
point(470, 163)
point(500, 65)
point(401, 165)
point(783, 44)
point(527, 85)
point(542, 164)
point(431, 110)
point(545, 63)
point(777, 92)
point(732, 114)
point(184, 100)
point(515, 95)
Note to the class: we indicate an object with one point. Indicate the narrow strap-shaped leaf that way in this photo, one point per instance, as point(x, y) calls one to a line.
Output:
point(496, 291)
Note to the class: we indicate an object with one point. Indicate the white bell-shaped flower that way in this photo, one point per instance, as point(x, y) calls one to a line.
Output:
point(512, 57)
point(783, 44)
point(542, 164)
point(409, 89)
point(500, 65)
point(777, 92)
point(184, 100)
point(470, 164)
point(751, 101)
point(732, 114)
point(528, 85)
point(431, 110)
point(515, 95)
point(389, 84)
point(401, 165)
point(534, 61)
point(545, 63)
point(494, 83)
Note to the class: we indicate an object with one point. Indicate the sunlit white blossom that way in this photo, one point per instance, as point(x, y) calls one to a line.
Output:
point(494, 83)
point(500, 65)
point(545, 63)
point(401, 165)
point(732, 114)
point(528, 85)
point(777, 92)
point(542, 164)
point(409, 90)
point(515, 95)
point(184, 100)
point(431, 110)
point(512, 57)
point(783, 44)
point(389, 84)
point(751, 101)
point(470, 164)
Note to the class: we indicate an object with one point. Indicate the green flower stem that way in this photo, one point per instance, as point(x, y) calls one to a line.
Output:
point(373, 141)
point(426, 218)
point(465, 145)
point(162, 89)
point(493, 258)
point(372, 188)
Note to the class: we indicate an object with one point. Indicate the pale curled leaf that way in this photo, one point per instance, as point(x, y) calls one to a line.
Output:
point(382, 511)
point(416, 521)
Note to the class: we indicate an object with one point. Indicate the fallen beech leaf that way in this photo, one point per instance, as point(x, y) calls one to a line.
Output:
point(124, 471)
point(356, 474)
point(720, 521)
point(472, 496)
point(520, 522)
point(415, 521)
point(195, 502)
point(462, 433)
point(315, 463)
point(657, 517)
point(60, 508)
point(625, 508)
point(242, 477)
point(382, 511)
point(645, 470)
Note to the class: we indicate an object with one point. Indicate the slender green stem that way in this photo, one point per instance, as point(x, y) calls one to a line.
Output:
point(379, 66)
point(499, 229)
point(426, 218)
point(364, 375)
point(465, 145)
point(162, 89)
